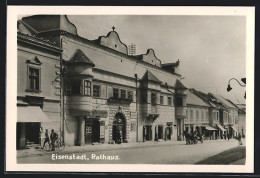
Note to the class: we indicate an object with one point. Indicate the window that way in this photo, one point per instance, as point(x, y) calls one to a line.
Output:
point(169, 101)
point(191, 114)
point(133, 126)
point(153, 98)
point(207, 115)
point(115, 92)
point(96, 90)
point(161, 100)
point(187, 114)
point(75, 86)
point(87, 87)
point(34, 79)
point(197, 115)
point(179, 101)
point(67, 87)
point(123, 94)
point(202, 115)
point(130, 94)
point(88, 129)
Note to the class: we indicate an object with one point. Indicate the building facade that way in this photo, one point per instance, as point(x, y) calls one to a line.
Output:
point(104, 90)
point(38, 86)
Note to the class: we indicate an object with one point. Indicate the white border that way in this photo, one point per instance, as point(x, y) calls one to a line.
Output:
point(12, 15)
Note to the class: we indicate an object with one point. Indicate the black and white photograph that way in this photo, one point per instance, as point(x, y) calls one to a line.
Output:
point(147, 89)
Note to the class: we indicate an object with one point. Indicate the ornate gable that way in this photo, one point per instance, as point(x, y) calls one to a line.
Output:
point(35, 61)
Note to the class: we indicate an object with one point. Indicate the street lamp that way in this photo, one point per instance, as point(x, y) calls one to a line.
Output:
point(243, 85)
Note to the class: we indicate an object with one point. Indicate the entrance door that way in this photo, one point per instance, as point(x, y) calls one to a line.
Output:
point(160, 132)
point(88, 131)
point(95, 130)
point(149, 132)
point(119, 123)
point(168, 132)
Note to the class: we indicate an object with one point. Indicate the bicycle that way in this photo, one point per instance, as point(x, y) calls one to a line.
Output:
point(59, 145)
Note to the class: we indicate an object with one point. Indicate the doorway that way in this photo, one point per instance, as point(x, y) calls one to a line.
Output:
point(32, 132)
point(119, 123)
point(160, 132)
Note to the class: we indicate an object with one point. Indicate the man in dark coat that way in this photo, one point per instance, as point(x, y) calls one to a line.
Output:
point(53, 137)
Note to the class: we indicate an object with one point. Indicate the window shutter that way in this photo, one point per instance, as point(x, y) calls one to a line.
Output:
point(134, 96)
point(149, 97)
point(109, 91)
point(103, 91)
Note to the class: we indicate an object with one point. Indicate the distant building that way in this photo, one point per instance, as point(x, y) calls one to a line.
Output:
point(232, 123)
point(242, 119)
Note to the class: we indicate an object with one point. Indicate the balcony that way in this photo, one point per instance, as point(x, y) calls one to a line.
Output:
point(155, 109)
point(119, 100)
point(180, 112)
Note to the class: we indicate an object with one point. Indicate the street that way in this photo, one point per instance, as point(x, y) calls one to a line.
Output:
point(160, 154)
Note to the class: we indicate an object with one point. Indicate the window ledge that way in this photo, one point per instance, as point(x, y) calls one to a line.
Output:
point(33, 91)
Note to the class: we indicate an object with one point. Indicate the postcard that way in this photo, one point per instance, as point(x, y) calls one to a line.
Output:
point(130, 89)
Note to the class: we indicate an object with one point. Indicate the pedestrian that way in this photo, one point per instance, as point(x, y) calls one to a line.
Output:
point(239, 140)
point(54, 137)
point(228, 136)
point(225, 136)
point(46, 139)
point(119, 136)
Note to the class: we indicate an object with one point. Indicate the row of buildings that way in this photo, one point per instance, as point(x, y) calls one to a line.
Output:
point(87, 90)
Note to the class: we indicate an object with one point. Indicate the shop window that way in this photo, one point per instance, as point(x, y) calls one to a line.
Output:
point(115, 92)
point(130, 94)
point(161, 100)
point(179, 101)
point(153, 98)
point(123, 94)
point(75, 86)
point(33, 79)
point(87, 87)
point(96, 90)
point(169, 101)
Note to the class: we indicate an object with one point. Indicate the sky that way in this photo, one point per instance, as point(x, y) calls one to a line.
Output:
point(211, 49)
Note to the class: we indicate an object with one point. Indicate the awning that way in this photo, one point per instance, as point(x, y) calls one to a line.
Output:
point(234, 128)
point(31, 114)
point(219, 126)
point(210, 128)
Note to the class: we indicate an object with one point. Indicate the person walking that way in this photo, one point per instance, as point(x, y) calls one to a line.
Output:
point(46, 139)
point(239, 139)
point(53, 137)
point(120, 136)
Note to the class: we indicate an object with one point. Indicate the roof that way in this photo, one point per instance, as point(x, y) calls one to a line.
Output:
point(192, 99)
point(150, 77)
point(174, 64)
point(179, 85)
point(225, 102)
point(80, 57)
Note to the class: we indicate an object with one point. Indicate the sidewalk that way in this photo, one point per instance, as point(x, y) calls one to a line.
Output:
point(102, 147)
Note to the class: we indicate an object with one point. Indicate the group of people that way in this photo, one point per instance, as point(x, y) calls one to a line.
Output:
point(50, 139)
point(193, 137)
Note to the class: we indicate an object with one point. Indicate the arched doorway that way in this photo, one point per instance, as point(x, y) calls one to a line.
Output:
point(119, 123)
